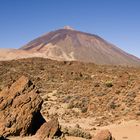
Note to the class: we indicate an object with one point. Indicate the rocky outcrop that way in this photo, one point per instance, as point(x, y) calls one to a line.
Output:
point(20, 107)
point(49, 130)
point(103, 135)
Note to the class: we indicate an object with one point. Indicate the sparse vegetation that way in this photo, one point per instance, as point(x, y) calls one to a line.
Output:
point(109, 83)
point(77, 132)
point(107, 90)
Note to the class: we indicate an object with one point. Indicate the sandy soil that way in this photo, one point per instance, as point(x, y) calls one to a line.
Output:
point(126, 130)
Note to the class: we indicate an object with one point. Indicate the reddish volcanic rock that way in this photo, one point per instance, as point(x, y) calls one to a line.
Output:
point(49, 129)
point(20, 109)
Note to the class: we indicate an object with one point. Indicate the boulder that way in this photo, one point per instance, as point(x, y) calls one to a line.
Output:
point(103, 135)
point(49, 130)
point(20, 107)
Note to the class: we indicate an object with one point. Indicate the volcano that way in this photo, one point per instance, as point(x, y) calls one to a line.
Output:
point(67, 44)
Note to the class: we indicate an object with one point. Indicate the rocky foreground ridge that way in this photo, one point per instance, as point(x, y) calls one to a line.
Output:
point(20, 106)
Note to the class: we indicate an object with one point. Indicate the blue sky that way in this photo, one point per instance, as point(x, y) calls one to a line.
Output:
point(117, 21)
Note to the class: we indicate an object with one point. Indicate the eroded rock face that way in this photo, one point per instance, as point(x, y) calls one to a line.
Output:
point(20, 109)
point(103, 135)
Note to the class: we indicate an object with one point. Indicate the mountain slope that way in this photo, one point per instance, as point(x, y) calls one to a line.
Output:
point(69, 44)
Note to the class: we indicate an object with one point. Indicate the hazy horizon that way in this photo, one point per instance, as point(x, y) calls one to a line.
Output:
point(116, 21)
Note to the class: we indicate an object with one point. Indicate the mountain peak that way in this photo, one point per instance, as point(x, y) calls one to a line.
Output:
point(68, 45)
point(68, 27)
